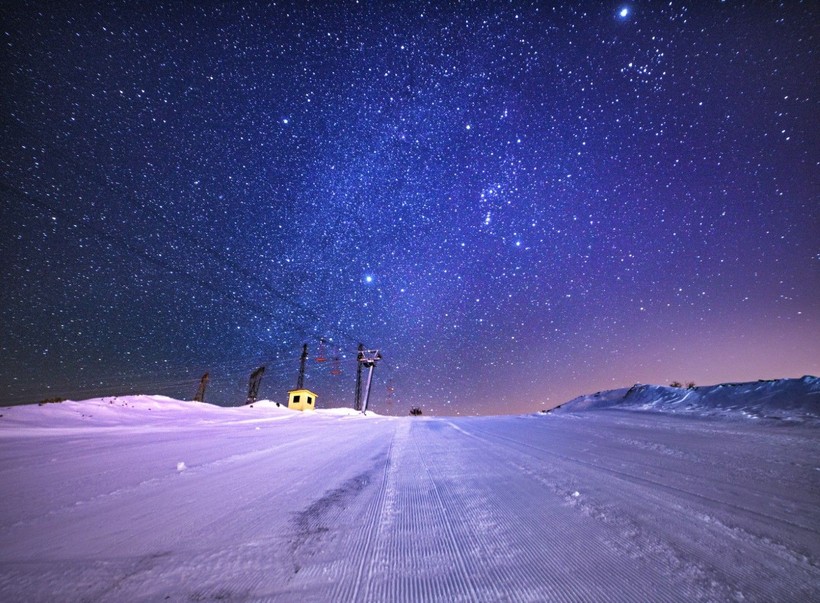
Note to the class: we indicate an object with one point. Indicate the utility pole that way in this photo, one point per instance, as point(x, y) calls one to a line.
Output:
point(358, 403)
point(200, 392)
point(300, 382)
point(368, 359)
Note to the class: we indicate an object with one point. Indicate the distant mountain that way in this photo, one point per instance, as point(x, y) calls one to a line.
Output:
point(784, 399)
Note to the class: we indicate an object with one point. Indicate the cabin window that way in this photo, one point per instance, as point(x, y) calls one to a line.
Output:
point(310, 400)
point(296, 399)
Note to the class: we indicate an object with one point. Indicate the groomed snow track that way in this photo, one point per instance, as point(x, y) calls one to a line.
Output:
point(595, 506)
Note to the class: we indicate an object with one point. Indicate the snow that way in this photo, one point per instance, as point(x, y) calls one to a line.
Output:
point(795, 400)
point(151, 499)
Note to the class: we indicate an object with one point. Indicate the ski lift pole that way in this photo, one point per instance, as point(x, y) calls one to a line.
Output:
point(369, 360)
point(359, 358)
point(367, 388)
point(300, 381)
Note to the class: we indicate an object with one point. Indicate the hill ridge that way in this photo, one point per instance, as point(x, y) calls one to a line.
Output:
point(789, 399)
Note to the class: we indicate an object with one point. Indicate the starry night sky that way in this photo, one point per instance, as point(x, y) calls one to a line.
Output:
point(516, 202)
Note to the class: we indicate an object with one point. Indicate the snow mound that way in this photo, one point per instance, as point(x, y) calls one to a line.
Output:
point(783, 399)
point(151, 412)
point(113, 411)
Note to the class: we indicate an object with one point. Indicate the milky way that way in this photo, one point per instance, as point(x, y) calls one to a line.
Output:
point(515, 202)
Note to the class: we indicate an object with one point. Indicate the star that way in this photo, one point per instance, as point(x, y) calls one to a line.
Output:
point(244, 193)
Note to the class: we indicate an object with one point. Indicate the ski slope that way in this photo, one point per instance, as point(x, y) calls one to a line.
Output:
point(151, 499)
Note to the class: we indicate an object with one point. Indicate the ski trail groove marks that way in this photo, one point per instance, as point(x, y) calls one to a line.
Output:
point(470, 484)
point(637, 479)
point(143, 565)
point(687, 548)
point(359, 556)
point(456, 543)
point(313, 527)
point(599, 565)
point(418, 542)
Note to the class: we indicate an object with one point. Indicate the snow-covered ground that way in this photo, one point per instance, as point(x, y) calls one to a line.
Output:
point(147, 498)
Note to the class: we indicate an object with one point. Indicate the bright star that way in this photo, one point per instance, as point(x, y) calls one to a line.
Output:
point(368, 279)
point(624, 12)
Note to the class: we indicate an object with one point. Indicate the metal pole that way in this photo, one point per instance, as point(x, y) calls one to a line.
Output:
point(369, 359)
point(367, 387)
point(300, 382)
point(357, 405)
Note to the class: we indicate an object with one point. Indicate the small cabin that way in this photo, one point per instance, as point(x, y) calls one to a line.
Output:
point(301, 399)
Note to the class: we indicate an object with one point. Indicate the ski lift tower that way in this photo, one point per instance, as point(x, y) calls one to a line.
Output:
point(253, 384)
point(200, 392)
point(368, 359)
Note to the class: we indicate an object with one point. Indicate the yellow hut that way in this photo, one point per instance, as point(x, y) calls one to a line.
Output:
point(301, 399)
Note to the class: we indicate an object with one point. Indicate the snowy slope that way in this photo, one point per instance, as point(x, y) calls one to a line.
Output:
point(150, 499)
point(784, 399)
point(146, 412)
